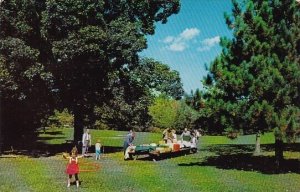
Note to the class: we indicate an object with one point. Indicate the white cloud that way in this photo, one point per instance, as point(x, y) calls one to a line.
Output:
point(181, 42)
point(188, 34)
point(208, 43)
point(168, 39)
point(178, 46)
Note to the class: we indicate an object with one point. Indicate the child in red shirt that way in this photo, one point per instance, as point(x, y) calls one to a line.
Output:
point(72, 167)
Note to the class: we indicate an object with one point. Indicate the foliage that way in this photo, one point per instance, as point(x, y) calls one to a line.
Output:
point(60, 119)
point(169, 113)
point(70, 51)
point(186, 116)
point(157, 78)
point(164, 112)
point(26, 85)
point(195, 100)
point(256, 77)
point(128, 106)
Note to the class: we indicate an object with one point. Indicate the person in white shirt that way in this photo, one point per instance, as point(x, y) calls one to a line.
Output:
point(174, 135)
point(86, 141)
point(186, 138)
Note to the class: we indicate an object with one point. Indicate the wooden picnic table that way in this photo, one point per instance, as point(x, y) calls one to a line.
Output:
point(156, 154)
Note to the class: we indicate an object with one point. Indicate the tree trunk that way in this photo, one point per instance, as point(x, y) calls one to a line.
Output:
point(1, 127)
point(257, 144)
point(1, 141)
point(78, 124)
point(278, 152)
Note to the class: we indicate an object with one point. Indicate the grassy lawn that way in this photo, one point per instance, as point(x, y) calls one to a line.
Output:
point(220, 165)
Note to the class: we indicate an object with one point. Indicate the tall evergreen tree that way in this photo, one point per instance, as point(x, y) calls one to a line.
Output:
point(256, 78)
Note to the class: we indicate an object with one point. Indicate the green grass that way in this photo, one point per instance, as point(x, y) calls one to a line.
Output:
point(116, 138)
point(203, 171)
point(107, 137)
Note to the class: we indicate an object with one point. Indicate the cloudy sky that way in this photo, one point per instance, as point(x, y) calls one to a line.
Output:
point(190, 39)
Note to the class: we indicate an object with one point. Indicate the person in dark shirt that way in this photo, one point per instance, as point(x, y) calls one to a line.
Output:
point(128, 140)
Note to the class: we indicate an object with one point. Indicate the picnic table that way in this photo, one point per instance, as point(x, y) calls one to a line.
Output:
point(159, 151)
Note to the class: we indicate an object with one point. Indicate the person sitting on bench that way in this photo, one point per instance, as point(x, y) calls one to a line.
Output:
point(186, 138)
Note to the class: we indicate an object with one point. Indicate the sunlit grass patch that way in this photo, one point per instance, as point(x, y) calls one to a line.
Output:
point(221, 164)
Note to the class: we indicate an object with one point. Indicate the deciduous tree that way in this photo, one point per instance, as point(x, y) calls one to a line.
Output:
point(76, 46)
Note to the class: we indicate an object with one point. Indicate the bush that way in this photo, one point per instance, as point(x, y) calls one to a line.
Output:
point(154, 130)
point(60, 119)
point(101, 126)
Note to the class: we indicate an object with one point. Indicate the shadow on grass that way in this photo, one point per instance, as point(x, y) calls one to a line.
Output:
point(53, 132)
point(162, 156)
point(41, 149)
point(240, 157)
point(50, 138)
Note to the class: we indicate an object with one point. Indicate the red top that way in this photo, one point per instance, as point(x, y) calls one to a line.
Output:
point(72, 167)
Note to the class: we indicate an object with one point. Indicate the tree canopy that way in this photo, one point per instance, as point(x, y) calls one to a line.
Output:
point(131, 97)
point(71, 52)
point(256, 78)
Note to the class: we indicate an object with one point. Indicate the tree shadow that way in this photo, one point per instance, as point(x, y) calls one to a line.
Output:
point(40, 145)
point(53, 132)
point(292, 147)
point(42, 149)
point(162, 156)
point(112, 149)
point(240, 157)
point(49, 138)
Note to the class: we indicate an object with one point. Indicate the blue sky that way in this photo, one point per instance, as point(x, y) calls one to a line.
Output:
point(190, 39)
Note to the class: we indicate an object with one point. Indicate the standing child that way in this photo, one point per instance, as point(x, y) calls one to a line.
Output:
point(98, 149)
point(72, 167)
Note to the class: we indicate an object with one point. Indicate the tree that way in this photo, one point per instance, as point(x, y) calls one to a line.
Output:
point(257, 74)
point(157, 78)
point(164, 112)
point(131, 97)
point(195, 100)
point(186, 116)
point(167, 112)
point(95, 41)
point(25, 84)
point(81, 45)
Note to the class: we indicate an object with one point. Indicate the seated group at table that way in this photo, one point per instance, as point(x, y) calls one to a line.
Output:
point(170, 142)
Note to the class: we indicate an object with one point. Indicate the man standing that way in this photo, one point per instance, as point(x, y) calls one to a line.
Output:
point(86, 141)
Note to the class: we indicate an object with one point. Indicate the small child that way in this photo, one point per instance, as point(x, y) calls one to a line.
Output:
point(98, 149)
point(72, 167)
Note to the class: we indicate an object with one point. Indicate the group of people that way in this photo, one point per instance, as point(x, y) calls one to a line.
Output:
point(87, 142)
point(169, 136)
point(190, 138)
point(72, 166)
